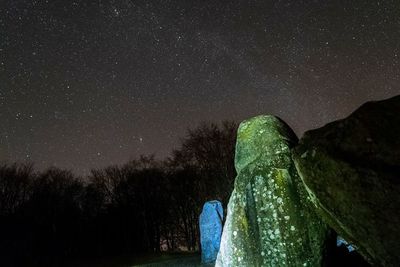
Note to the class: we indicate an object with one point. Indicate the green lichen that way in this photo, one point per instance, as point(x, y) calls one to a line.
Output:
point(270, 220)
point(330, 199)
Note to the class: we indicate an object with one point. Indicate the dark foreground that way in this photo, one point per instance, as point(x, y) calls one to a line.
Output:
point(150, 260)
point(188, 261)
point(339, 256)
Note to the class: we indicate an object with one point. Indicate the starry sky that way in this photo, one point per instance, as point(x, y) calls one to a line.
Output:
point(86, 84)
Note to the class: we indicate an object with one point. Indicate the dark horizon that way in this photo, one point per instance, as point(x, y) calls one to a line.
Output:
point(90, 84)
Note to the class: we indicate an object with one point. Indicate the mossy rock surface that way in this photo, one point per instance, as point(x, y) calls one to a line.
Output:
point(270, 220)
point(351, 169)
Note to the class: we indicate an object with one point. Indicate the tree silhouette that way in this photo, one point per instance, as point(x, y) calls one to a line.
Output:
point(143, 206)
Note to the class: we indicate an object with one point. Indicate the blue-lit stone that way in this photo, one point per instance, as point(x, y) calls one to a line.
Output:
point(340, 241)
point(211, 219)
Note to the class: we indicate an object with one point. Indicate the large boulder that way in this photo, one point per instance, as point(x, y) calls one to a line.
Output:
point(211, 219)
point(269, 220)
point(351, 169)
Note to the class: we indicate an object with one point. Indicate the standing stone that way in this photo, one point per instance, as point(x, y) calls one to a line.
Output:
point(211, 219)
point(269, 220)
point(351, 169)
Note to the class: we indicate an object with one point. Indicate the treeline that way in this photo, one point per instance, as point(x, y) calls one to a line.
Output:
point(142, 206)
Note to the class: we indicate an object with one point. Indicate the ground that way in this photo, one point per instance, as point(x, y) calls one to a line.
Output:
point(165, 259)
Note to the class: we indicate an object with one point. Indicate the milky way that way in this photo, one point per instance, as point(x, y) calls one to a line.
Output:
point(86, 84)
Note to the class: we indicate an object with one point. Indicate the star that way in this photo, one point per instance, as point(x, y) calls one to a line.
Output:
point(129, 77)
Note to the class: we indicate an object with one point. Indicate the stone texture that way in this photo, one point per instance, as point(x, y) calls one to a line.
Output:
point(269, 220)
point(351, 169)
point(211, 219)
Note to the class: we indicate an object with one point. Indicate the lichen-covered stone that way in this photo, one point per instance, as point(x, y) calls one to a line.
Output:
point(211, 219)
point(351, 169)
point(270, 221)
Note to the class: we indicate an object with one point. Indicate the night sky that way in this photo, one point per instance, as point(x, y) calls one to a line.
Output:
point(86, 84)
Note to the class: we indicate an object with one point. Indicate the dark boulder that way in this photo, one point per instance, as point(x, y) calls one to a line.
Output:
point(351, 169)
